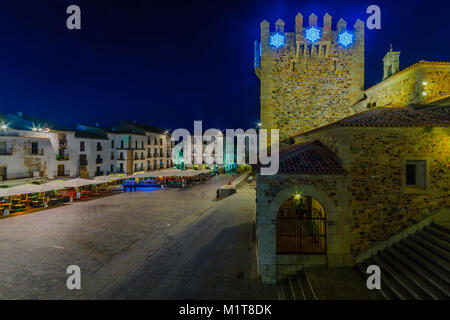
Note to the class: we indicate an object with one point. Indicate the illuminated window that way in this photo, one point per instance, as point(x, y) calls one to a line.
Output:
point(312, 34)
point(277, 40)
point(345, 39)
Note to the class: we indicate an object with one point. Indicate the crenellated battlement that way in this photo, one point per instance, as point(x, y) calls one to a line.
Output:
point(316, 72)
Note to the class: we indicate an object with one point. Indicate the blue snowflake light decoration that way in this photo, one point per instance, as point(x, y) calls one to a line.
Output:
point(312, 34)
point(277, 40)
point(345, 39)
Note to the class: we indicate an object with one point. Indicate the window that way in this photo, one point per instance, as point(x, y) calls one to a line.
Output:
point(121, 144)
point(135, 144)
point(112, 143)
point(82, 146)
point(112, 168)
point(142, 145)
point(415, 175)
point(34, 148)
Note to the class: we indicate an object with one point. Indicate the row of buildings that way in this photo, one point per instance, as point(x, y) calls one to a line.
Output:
point(31, 147)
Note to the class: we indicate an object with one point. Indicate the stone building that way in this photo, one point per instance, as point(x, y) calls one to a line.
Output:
point(311, 76)
point(425, 83)
point(359, 167)
point(370, 176)
point(35, 148)
point(32, 147)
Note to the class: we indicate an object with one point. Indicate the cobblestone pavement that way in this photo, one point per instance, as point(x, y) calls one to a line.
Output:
point(117, 239)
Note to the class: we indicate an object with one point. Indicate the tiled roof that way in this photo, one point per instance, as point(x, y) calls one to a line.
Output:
point(309, 158)
point(146, 127)
point(84, 134)
point(395, 117)
point(392, 116)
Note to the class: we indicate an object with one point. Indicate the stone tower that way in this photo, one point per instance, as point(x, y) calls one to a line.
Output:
point(309, 77)
point(391, 63)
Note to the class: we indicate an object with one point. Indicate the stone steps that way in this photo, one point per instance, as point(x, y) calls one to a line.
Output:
point(296, 287)
point(415, 268)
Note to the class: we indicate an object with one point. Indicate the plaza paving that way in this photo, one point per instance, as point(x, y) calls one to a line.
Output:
point(174, 243)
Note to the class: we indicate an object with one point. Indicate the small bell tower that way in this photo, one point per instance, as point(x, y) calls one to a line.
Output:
point(391, 63)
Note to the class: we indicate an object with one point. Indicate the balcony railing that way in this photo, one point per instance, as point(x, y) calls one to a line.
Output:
point(149, 155)
point(98, 173)
point(142, 157)
point(155, 155)
point(62, 157)
point(121, 158)
point(83, 162)
point(99, 160)
point(6, 152)
point(37, 152)
point(99, 148)
point(65, 173)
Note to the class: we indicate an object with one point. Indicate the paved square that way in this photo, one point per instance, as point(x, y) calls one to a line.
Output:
point(173, 243)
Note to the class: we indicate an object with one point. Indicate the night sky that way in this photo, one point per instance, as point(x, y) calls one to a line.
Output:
point(169, 63)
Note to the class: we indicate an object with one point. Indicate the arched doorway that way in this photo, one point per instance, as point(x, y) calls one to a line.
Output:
point(301, 226)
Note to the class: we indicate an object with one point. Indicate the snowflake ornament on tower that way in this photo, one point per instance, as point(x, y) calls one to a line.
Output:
point(312, 34)
point(277, 40)
point(345, 39)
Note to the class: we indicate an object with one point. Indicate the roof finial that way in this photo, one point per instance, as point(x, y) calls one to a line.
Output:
point(391, 47)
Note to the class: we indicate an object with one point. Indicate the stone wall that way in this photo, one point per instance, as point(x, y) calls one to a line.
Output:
point(421, 83)
point(305, 85)
point(374, 159)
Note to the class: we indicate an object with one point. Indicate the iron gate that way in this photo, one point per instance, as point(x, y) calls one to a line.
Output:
point(301, 229)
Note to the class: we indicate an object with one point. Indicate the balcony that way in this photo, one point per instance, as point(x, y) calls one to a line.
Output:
point(36, 152)
point(161, 155)
point(65, 173)
point(83, 162)
point(62, 157)
point(62, 143)
point(99, 148)
point(99, 160)
point(99, 173)
point(149, 155)
point(6, 152)
point(121, 158)
point(142, 157)
point(155, 155)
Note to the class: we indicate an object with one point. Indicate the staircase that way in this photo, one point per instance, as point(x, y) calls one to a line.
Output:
point(296, 287)
point(415, 268)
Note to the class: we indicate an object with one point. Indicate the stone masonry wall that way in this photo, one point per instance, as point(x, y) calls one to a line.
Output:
point(374, 159)
point(305, 85)
point(421, 83)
